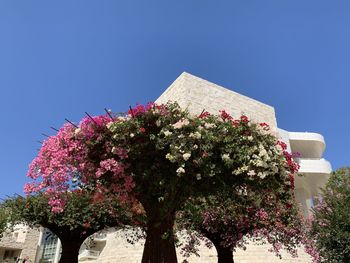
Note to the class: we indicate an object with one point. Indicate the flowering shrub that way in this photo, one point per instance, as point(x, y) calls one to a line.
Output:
point(79, 157)
point(330, 223)
point(250, 211)
point(232, 219)
point(161, 156)
point(80, 218)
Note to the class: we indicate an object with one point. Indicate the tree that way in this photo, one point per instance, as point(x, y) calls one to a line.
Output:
point(230, 220)
point(3, 220)
point(81, 218)
point(233, 215)
point(161, 156)
point(330, 224)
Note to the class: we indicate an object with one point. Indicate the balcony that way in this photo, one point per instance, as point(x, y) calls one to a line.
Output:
point(314, 166)
point(315, 173)
point(308, 144)
point(89, 255)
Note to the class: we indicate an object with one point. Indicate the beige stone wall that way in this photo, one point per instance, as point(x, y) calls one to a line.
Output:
point(31, 242)
point(197, 94)
point(117, 250)
point(24, 239)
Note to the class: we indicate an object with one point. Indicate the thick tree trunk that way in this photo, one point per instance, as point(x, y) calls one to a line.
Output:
point(70, 251)
point(225, 255)
point(160, 245)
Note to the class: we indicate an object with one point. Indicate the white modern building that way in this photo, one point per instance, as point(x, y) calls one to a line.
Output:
point(197, 94)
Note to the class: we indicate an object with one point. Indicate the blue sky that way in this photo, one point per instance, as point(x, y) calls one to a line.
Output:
point(59, 59)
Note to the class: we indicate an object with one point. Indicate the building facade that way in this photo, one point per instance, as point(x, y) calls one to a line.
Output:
point(22, 242)
point(197, 95)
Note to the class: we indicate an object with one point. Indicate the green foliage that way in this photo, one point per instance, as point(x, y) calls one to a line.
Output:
point(331, 222)
point(81, 215)
point(3, 220)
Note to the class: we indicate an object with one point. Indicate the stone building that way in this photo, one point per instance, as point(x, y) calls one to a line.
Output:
point(197, 94)
point(22, 242)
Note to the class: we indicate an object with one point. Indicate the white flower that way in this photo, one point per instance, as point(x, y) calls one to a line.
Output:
point(250, 138)
point(196, 135)
point(195, 146)
point(261, 175)
point(167, 133)
point(77, 131)
point(225, 157)
point(209, 125)
point(181, 123)
point(180, 171)
point(158, 123)
point(160, 199)
point(198, 176)
point(186, 156)
point(170, 157)
point(109, 125)
point(251, 173)
point(274, 169)
point(132, 135)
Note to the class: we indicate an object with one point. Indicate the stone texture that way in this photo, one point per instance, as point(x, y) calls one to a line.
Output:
point(22, 238)
point(118, 250)
point(197, 94)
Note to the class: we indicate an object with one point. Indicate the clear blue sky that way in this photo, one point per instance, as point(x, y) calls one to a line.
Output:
point(59, 59)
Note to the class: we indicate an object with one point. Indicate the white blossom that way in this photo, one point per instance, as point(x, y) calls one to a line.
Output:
point(132, 135)
point(196, 135)
point(198, 176)
point(225, 157)
point(180, 171)
point(251, 173)
point(170, 157)
point(167, 133)
point(261, 175)
point(186, 156)
point(109, 125)
point(181, 123)
point(209, 125)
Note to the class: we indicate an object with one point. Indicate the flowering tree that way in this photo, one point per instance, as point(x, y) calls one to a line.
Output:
point(231, 220)
point(160, 156)
point(80, 218)
point(264, 213)
point(330, 224)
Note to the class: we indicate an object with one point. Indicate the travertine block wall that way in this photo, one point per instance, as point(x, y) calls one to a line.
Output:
point(26, 241)
point(30, 245)
point(117, 250)
point(197, 94)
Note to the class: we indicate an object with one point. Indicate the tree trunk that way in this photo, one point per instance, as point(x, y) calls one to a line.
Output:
point(225, 255)
point(70, 251)
point(160, 245)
